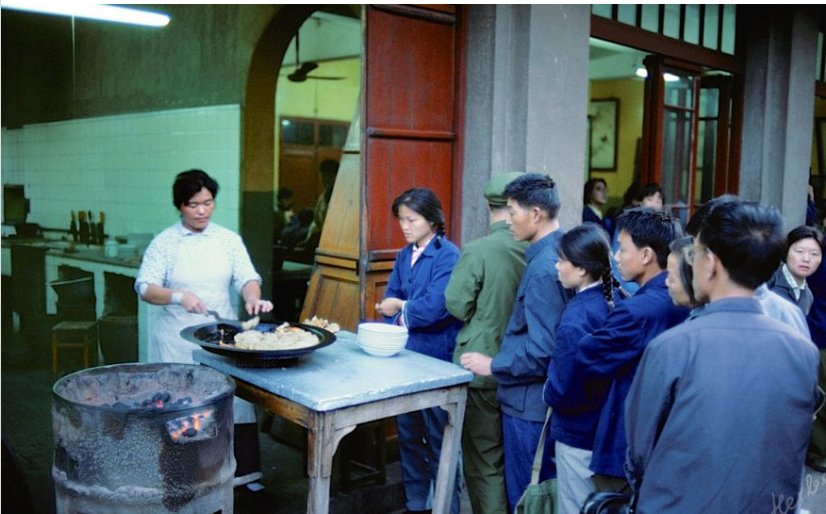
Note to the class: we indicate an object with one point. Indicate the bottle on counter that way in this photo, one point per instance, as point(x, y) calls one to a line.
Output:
point(101, 235)
point(83, 227)
point(93, 230)
point(73, 227)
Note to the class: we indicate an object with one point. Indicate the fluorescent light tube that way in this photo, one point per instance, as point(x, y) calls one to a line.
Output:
point(101, 12)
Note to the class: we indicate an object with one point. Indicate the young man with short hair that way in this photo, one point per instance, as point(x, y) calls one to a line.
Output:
point(480, 292)
point(607, 359)
point(521, 365)
point(719, 413)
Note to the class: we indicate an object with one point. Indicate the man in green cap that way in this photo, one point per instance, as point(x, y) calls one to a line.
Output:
point(481, 293)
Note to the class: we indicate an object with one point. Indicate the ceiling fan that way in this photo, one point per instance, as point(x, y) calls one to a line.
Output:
point(303, 69)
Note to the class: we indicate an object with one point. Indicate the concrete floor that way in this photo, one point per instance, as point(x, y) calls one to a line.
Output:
point(26, 429)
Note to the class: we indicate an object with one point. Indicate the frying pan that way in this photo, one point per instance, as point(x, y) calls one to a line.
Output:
point(210, 335)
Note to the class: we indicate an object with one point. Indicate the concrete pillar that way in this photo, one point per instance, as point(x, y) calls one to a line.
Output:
point(527, 102)
point(781, 48)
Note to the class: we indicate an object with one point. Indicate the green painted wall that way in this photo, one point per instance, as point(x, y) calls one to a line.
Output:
point(200, 58)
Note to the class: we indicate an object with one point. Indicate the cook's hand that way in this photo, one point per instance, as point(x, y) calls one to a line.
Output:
point(257, 306)
point(389, 306)
point(477, 363)
point(192, 303)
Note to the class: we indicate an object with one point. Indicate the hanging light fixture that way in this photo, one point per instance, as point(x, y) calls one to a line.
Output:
point(101, 12)
point(643, 73)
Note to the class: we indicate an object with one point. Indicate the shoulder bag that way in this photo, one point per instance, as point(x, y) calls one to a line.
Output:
point(539, 498)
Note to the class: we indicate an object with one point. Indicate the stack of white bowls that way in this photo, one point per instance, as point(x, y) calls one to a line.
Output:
point(381, 339)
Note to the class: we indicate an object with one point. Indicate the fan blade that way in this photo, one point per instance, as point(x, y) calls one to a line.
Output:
point(296, 77)
point(306, 68)
point(300, 74)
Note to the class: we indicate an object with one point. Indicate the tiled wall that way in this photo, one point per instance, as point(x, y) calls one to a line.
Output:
point(124, 166)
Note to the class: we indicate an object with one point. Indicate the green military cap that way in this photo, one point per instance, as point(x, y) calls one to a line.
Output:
point(496, 186)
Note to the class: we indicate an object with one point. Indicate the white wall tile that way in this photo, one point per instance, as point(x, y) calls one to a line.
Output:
point(124, 165)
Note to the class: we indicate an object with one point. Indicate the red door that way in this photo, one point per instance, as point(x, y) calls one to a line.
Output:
point(410, 120)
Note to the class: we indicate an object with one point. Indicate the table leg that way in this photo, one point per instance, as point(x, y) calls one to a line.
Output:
point(448, 459)
point(322, 441)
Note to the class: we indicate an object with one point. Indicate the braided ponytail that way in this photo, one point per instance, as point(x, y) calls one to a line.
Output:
point(608, 287)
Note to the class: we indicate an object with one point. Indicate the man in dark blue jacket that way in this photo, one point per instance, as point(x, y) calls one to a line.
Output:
point(612, 352)
point(720, 410)
point(521, 365)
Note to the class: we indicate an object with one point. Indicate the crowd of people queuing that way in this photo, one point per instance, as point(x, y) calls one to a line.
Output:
point(677, 363)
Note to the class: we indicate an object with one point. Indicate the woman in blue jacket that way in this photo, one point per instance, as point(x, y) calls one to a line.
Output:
point(415, 298)
point(583, 266)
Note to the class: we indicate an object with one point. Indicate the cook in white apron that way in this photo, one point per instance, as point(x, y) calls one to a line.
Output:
point(188, 269)
point(205, 271)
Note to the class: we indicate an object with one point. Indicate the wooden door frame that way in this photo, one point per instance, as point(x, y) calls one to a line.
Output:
point(653, 111)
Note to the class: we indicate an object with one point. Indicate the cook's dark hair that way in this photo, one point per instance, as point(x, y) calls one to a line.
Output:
point(747, 238)
point(425, 203)
point(189, 183)
point(679, 247)
point(586, 246)
point(588, 190)
point(651, 228)
point(800, 233)
point(534, 190)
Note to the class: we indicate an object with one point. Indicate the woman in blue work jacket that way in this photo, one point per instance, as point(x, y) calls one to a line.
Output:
point(415, 298)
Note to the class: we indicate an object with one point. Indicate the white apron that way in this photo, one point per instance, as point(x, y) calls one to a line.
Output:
point(205, 271)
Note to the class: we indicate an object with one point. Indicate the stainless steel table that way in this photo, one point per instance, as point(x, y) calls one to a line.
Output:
point(333, 390)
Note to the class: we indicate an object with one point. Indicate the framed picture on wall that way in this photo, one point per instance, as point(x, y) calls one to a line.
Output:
point(604, 116)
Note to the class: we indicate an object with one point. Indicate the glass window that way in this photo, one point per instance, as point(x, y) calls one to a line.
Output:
point(709, 101)
point(627, 13)
point(676, 171)
point(679, 91)
point(671, 23)
point(603, 10)
point(650, 18)
point(706, 160)
point(332, 135)
point(296, 132)
point(710, 27)
point(692, 24)
point(729, 20)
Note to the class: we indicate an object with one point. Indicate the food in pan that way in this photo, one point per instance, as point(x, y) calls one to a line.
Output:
point(285, 337)
point(322, 323)
point(250, 323)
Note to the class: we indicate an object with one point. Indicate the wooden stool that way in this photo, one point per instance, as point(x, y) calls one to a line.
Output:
point(74, 334)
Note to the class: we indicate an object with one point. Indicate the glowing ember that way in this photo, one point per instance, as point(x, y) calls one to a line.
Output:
point(158, 401)
point(195, 427)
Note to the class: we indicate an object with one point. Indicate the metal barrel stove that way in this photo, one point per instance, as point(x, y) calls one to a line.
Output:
point(136, 438)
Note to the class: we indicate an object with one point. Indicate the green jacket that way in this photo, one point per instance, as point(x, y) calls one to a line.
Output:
point(481, 292)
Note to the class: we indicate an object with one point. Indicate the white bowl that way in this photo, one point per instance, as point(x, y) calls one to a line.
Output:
point(381, 338)
point(380, 352)
point(382, 333)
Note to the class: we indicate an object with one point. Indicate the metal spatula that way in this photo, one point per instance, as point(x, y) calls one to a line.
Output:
point(219, 319)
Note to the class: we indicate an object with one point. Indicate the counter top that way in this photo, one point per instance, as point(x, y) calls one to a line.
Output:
point(91, 253)
point(342, 375)
point(95, 254)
